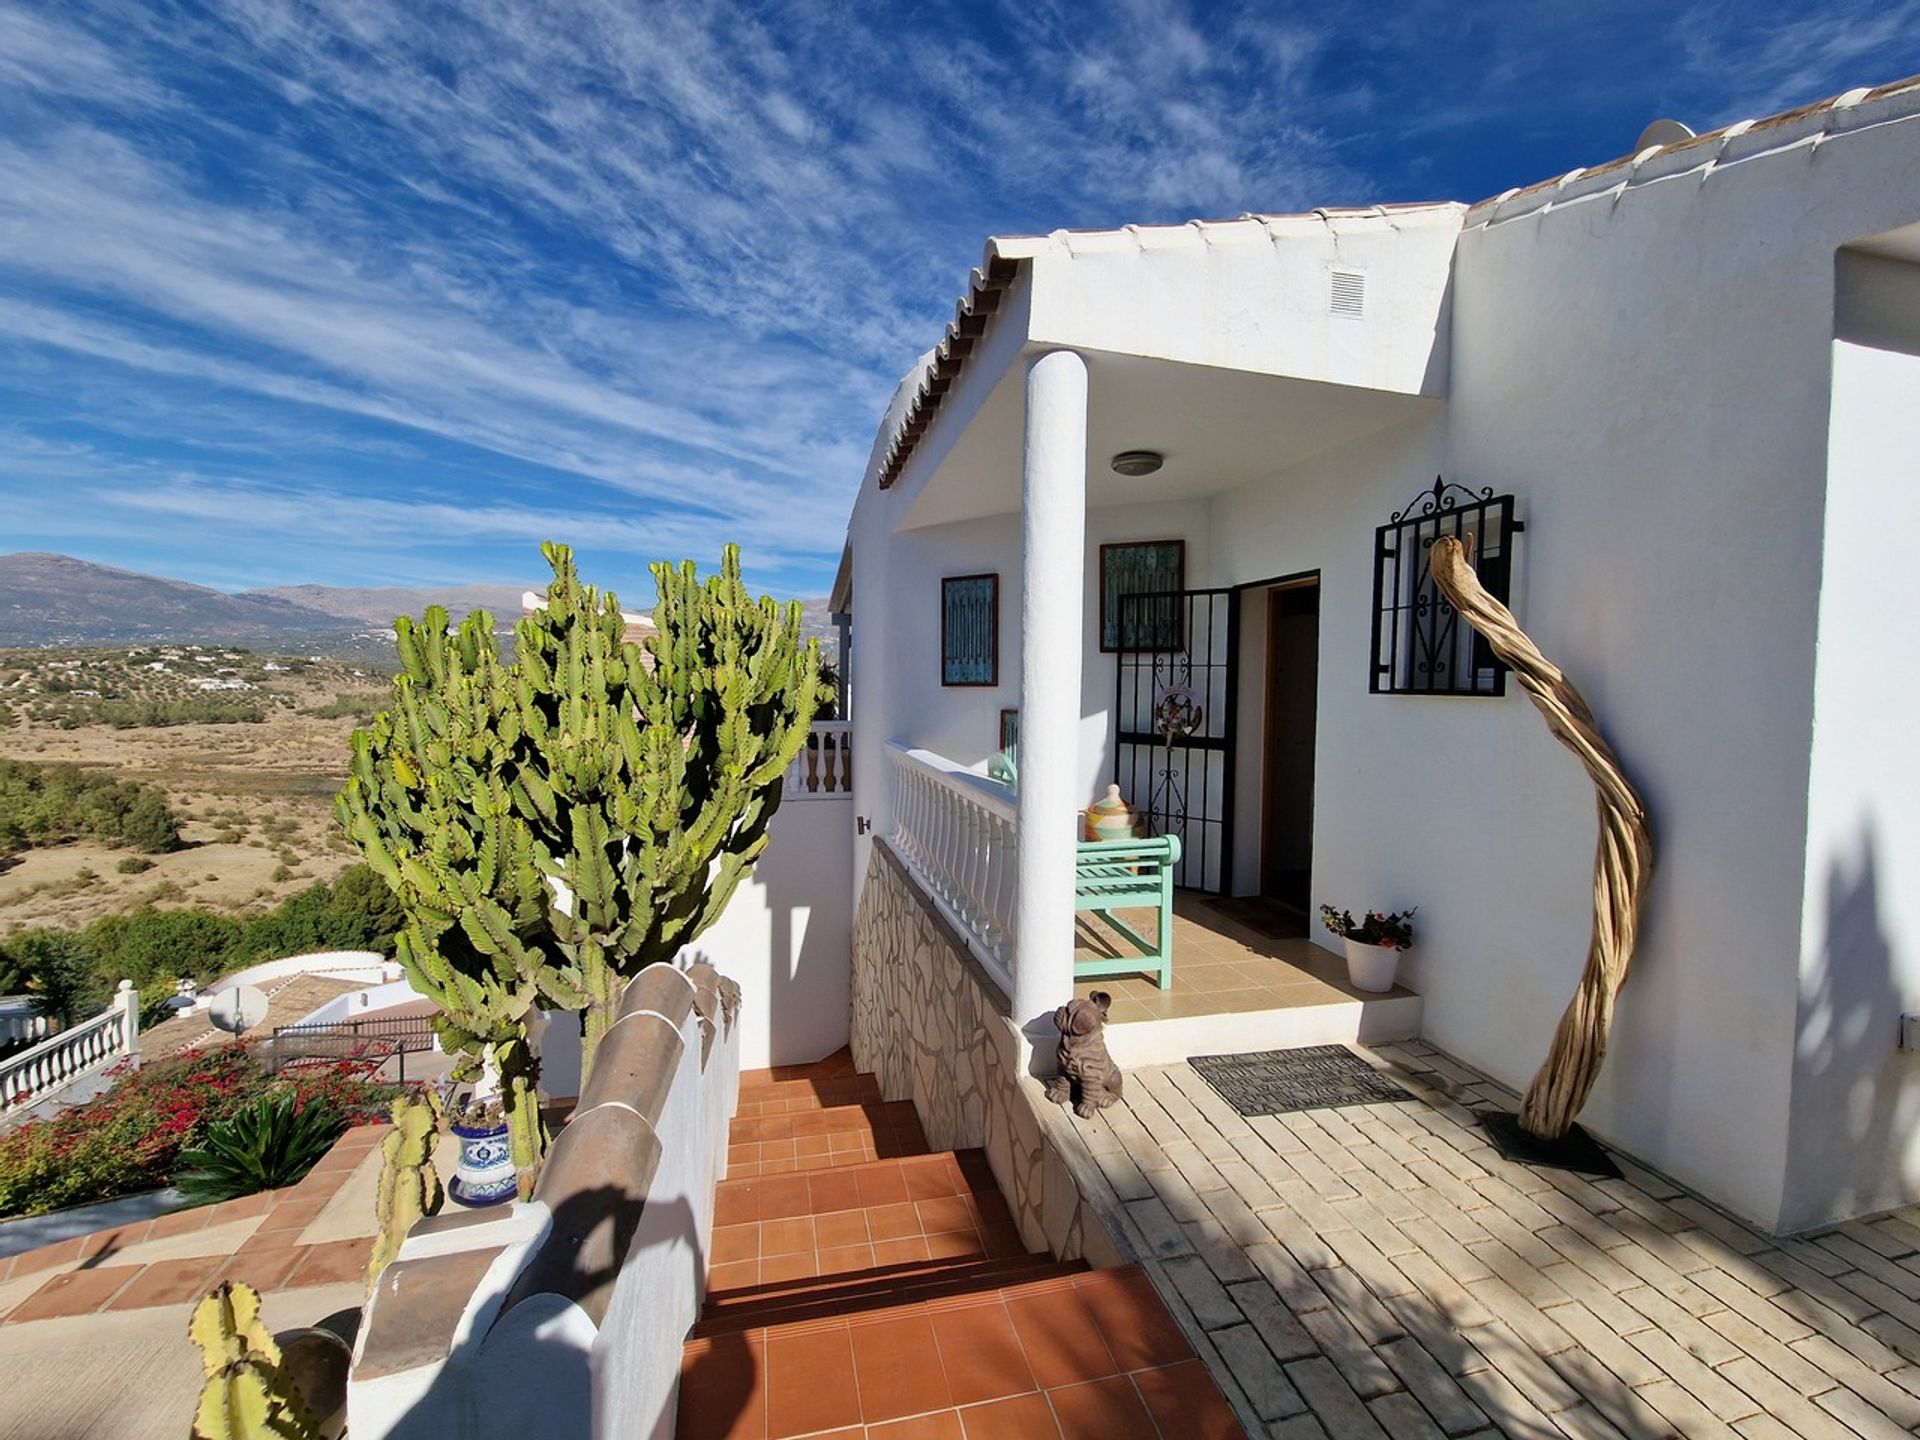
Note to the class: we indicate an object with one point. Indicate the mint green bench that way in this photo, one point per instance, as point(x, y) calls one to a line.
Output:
point(1112, 875)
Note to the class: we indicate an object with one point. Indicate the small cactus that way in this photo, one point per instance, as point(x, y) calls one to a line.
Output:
point(409, 1185)
point(247, 1394)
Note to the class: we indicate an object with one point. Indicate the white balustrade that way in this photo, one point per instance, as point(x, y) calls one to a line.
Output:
point(824, 769)
point(956, 831)
point(53, 1064)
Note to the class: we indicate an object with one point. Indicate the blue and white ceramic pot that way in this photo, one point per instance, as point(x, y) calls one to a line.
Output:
point(485, 1174)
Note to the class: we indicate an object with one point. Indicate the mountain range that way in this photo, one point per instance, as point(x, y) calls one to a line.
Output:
point(50, 599)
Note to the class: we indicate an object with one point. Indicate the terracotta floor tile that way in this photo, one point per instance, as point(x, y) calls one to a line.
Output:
point(930, 1180)
point(831, 1192)
point(1184, 1401)
point(1107, 1409)
point(893, 1222)
point(1025, 1417)
point(1002, 1241)
point(941, 1425)
point(904, 1251)
point(1057, 1331)
point(334, 1261)
point(783, 1196)
point(733, 1243)
point(988, 1208)
point(169, 1282)
point(843, 1227)
point(737, 1276)
point(981, 1354)
point(954, 1245)
point(897, 1364)
point(245, 1208)
point(45, 1257)
point(787, 1237)
point(972, 1171)
point(1132, 1319)
point(112, 1242)
point(779, 1167)
point(264, 1270)
point(723, 1390)
point(804, 1146)
point(845, 1259)
point(945, 1215)
point(810, 1382)
point(736, 1203)
point(774, 1269)
point(181, 1222)
point(77, 1292)
point(883, 1185)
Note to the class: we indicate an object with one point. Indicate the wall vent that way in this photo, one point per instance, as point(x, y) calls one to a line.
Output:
point(1349, 295)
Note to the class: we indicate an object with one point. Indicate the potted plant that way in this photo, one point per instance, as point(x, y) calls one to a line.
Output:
point(1373, 945)
point(486, 1174)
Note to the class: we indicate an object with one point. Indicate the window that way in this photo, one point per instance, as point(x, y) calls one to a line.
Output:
point(1421, 646)
point(1150, 567)
point(970, 630)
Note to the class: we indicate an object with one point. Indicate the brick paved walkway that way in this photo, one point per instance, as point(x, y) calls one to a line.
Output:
point(1380, 1270)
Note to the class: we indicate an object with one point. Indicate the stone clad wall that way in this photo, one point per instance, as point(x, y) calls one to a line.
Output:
point(934, 1028)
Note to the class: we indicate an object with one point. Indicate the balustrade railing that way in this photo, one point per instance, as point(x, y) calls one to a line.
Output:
point(825, 768)
point(956, 830)
point(49, 1067)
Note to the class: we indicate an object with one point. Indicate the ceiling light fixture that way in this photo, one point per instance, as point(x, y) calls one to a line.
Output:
point(1138, 462)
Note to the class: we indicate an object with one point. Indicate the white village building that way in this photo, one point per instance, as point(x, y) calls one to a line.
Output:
point(1690, 378)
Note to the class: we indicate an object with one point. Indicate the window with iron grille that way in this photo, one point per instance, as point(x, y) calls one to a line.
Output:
point(1421, 646)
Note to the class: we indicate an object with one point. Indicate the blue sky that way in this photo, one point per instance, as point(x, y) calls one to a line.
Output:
point(361, 292)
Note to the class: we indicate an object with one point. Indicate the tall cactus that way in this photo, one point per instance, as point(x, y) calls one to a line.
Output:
point(654, 770)
point(439, 801)
point(246, 1393)
point(409, 1185)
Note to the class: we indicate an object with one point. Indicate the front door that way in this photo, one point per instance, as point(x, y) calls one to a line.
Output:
point(1287, 748)
point(1175, 692)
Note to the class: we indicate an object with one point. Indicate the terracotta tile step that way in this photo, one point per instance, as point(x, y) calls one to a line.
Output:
point(817, 1139)
point(837, 1066)
point(1090, 1353)
point(851, 1187)
point(781, 1096)
point(885, 1287)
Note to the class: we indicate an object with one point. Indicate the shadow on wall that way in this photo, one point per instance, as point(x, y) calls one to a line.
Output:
point(806, 890)
point(1856, 1095)
point(530, 1373)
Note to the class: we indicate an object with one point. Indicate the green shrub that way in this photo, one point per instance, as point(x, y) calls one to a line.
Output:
point(134, 865)
point(271, 1143)
point(130, 1139)
point(46, 804)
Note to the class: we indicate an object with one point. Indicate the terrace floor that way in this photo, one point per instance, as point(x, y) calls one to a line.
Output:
point(1227, 959)
point(1379, 1270)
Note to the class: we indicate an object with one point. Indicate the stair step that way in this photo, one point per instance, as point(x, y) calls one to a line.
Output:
point(884, 1287)
point(796, 1140)
point(779, 1097)
point(1096, 1348)
point(836, 1066)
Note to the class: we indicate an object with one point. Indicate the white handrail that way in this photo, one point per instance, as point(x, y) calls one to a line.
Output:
point(956, 828)
point(824, 769)
point(55, 1063)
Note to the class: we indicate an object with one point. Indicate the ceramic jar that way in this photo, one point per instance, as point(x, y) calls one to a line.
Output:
point(1110, 818)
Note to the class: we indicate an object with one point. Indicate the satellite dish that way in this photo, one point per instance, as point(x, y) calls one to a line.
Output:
point(239, 1009)
point(1659, 134)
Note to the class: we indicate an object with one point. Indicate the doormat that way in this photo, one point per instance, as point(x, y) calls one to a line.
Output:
point(1277, 1082)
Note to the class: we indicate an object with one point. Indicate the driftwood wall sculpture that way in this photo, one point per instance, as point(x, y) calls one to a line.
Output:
point(1622, 864)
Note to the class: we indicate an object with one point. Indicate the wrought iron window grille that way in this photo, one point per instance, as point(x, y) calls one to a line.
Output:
point(1421, 646)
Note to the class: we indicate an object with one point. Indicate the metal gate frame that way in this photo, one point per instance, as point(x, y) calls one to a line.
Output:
point(1206, 651)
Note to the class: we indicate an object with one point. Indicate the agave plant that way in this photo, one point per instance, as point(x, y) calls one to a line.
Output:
point(270, 1144)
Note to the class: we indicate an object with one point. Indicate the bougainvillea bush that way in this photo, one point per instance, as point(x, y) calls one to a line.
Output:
point(130, 1138)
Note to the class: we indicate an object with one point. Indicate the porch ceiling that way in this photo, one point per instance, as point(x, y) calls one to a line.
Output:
point(1218, 429)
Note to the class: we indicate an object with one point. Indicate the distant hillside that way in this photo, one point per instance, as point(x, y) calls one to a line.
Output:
point(55, 599)
point(58, 600)
point(378, 606)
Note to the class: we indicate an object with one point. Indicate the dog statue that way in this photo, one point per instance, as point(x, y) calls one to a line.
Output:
point(1088, 1079)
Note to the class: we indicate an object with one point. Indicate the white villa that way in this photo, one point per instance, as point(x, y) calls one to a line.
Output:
point(1690, 378)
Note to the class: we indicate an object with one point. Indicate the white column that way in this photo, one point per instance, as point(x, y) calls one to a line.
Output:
point(1053, 533)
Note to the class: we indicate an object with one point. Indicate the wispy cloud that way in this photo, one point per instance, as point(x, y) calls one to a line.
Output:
point(351, 286)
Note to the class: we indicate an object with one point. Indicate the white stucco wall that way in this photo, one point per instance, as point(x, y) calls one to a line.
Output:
point(786, 936)
point(1856, 1097)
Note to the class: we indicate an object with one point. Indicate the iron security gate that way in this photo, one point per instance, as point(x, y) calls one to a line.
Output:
point(1176, 688)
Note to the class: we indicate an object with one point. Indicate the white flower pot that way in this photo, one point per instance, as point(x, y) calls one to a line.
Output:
point(1370, 967)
